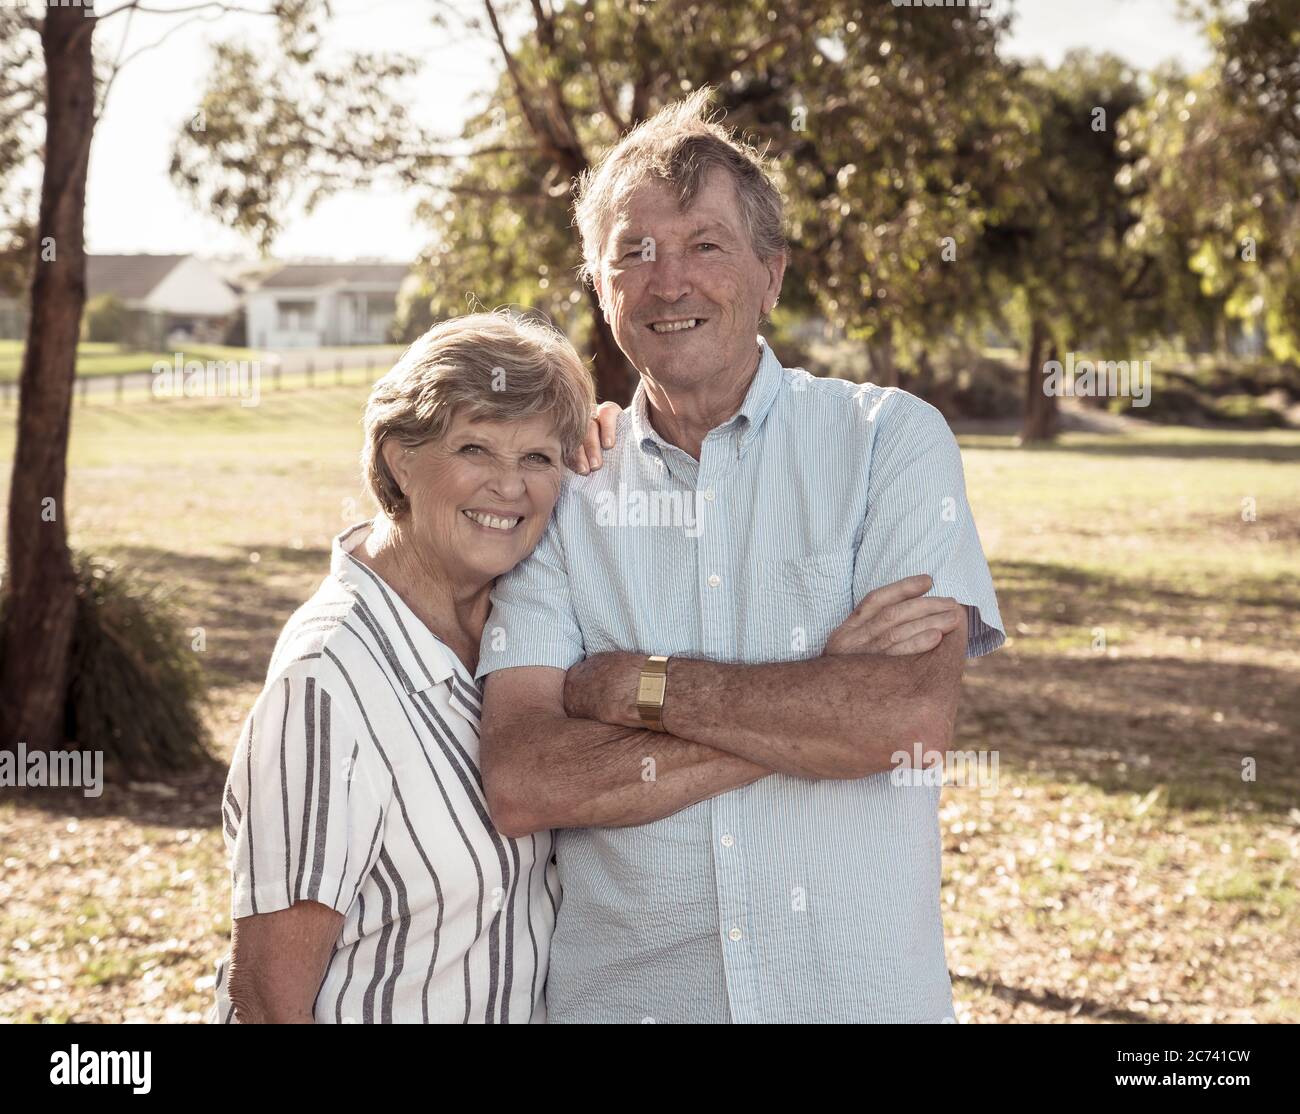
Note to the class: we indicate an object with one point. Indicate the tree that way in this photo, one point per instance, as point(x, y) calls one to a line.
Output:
point(40, 583)
point(1221, 171)
point(1052, 249)
point(812, 81)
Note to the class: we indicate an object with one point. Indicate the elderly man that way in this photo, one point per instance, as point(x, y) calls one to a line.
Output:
point(731, 845)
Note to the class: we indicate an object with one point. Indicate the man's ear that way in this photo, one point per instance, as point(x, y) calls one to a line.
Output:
point(775, 276)
point(598, 284)
point(398, 461)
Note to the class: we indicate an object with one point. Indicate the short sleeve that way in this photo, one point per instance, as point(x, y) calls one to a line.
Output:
point(533, 621)
point(306, 799)
point(918, 519)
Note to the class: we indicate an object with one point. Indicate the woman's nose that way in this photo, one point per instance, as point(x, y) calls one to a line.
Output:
point(507, 480)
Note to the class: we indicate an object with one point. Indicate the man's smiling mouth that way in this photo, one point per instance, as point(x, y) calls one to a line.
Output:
point(680, 326)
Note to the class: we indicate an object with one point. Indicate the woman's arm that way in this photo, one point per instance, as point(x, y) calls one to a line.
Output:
point(278, 960)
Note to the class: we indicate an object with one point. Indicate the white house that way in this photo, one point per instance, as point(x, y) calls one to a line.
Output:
point(182, 297)
point(315, 305)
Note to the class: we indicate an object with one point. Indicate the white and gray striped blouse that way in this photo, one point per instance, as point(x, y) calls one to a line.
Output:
point(356, 784)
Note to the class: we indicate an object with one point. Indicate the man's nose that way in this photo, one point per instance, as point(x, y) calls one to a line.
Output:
point(670, 279)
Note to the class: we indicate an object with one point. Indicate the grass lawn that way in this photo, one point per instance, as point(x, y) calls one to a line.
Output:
point(116, 359)
point(1123, 870)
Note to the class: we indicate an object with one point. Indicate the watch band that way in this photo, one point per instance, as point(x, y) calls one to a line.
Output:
point(651, 690)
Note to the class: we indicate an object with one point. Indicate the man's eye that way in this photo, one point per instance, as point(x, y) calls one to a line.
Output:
point(471, 449)
point(539, 458)
point(706, 246)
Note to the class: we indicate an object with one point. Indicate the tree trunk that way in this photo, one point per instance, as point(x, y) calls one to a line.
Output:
point(1040, 407)
point(616, 378)
point(40, 587)
point(880, 351)
point(937, 392)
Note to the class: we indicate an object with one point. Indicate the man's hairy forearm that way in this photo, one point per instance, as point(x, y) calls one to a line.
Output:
point(578, 773)
point(841, 716)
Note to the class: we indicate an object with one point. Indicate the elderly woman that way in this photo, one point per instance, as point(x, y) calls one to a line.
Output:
point(369, 882)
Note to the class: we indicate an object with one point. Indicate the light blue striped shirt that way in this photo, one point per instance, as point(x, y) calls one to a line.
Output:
point(791, 899)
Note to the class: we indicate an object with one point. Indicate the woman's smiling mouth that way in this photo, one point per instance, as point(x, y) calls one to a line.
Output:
point(499, 523)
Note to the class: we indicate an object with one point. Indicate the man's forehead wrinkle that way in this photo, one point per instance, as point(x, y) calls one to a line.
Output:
point(626, 228)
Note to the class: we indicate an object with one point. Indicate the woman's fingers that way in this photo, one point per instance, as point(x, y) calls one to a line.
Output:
point(607, 420)
point(601, 432)
point(587, 457)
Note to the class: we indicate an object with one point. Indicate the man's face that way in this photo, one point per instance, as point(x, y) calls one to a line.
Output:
point(664, 268)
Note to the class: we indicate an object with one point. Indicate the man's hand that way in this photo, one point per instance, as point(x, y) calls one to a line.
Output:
point(603, 688)
point(896, 619)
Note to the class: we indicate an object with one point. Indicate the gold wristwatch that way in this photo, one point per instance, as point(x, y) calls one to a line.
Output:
point(651, 690)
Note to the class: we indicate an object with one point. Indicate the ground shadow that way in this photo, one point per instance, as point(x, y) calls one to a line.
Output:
point(1121, 446)
point(1204, 731)
point(1088, 1008)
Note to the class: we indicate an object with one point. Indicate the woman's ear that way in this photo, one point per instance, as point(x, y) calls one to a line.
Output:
point(398, 461)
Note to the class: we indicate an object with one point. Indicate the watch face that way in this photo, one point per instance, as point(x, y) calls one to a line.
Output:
point(651, 690)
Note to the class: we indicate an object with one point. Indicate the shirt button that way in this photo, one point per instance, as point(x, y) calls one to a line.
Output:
point(735, 934)
point(728, 840)
point(714, 580)
point(710, 495)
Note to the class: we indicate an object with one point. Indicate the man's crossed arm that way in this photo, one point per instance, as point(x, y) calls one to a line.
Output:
point(564, 750)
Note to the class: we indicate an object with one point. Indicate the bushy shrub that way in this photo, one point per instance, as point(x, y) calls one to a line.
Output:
point(136, 690)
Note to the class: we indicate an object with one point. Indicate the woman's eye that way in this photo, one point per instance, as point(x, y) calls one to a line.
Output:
point(471, 449)
point(539, 458)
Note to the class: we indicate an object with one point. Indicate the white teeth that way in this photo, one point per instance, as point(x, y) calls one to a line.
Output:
point(675, 326)
point(492, 521)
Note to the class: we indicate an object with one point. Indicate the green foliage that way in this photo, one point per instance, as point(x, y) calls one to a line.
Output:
point(21, 94)
point(934, 187)
point(1221, 178)
point(105, 320)
point(136, 690)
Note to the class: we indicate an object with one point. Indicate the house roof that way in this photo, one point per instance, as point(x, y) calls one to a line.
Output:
point(130, 277)
point(298, 275)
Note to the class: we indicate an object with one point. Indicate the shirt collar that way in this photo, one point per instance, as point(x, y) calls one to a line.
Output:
point(753, 411)
point(423, 658)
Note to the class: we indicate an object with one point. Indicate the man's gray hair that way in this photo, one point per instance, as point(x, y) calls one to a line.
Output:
point(496, 366)
point(680, 144)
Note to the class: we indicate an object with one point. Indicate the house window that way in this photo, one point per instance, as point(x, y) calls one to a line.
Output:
point(295, 316)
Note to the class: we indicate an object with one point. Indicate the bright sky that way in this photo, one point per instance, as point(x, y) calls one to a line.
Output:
point(133, 207)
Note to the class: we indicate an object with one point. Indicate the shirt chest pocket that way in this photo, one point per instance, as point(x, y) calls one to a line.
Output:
point(798, 601)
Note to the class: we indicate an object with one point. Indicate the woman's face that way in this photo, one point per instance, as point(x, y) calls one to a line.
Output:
point(482, 495)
